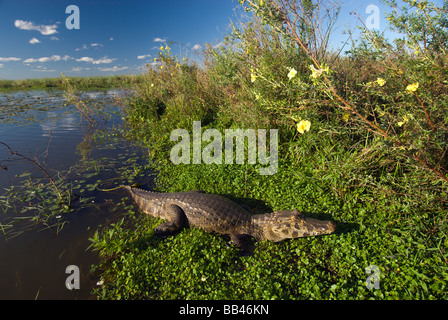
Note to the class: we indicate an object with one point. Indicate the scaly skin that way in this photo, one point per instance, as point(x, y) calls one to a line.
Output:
point(214, 213)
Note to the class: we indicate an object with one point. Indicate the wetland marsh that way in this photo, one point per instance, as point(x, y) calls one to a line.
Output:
point(42, 234)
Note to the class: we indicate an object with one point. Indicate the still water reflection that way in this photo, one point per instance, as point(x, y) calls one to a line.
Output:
point(32, 264)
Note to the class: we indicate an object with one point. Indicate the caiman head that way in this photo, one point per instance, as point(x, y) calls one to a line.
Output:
point(281, 225)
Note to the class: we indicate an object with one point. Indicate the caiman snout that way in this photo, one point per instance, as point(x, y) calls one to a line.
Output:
point(318, 227)
point(292, 224)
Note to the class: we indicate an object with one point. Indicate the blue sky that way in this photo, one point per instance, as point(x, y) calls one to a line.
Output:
point(116, 37)
point(113, 34)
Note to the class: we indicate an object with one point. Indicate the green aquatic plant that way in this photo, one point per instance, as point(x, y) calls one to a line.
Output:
point(35, 161)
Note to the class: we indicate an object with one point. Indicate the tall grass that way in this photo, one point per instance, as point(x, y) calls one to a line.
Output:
point(82, 83)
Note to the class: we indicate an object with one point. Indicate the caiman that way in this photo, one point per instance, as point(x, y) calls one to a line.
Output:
point(215, 213)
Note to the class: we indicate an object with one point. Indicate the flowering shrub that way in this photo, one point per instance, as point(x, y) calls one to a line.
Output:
point(407, 109)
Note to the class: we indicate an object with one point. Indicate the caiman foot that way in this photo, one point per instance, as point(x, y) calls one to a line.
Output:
point(175, 224)
point(244, 243)
point(166, 229)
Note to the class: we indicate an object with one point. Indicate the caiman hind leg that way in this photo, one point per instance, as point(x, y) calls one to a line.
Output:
point(177, 220)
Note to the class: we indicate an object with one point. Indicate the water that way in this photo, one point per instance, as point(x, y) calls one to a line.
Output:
point(38, 124)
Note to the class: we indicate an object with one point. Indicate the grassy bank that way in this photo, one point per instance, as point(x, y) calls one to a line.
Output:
point(362, 141)
point(82, 83)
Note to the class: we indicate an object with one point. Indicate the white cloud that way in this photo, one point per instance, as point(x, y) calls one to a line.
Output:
point(196, 47)
point(155, 63)
point(9, 59)
point(42, 69)
point(43, 59)
point(1, 65)
point(111, 38)
point(45, 30)
point(85, 59)
point(34, 40)
point(84, 47)
point(93, 45)
point(159, 40)
point(54, 38)
point(91, 60)
point(54, 57)
point(115, 68)
point(78, 69)
point(143, 56)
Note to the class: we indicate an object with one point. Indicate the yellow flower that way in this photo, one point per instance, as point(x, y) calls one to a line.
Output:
point(292, 73)
point(253, 77)
point(247, 50)
point(161, 48)
point(303, 126)
point(155, 59)
point(412, 87)
point(161, 67)
point(152, 85)
point(345, 117)
point(400, 123)
point(381, 82)
point(315, 72)
point(167, 48)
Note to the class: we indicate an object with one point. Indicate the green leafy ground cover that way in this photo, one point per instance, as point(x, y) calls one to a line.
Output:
point(362, 141)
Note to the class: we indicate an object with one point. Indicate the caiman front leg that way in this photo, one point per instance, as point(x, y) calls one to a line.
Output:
point(243, 242)
point(177, 220)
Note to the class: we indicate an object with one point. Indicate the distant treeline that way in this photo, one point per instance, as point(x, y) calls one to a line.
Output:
point(81, 83)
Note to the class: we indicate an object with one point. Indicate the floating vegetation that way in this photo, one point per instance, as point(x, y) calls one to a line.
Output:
point(36, 202)
point(45, 197)
point(24, 108)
